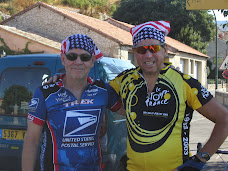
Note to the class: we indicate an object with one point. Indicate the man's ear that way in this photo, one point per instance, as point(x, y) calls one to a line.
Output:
point(93, 59)
point(134, 51)
point(62, 57)
point(166, 50)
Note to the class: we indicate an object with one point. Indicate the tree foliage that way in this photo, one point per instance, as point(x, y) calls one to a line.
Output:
point(14, 95)
point(199, 22)
point(89, 7)
point(192, 38)
point(3, 1)
point(225, 14)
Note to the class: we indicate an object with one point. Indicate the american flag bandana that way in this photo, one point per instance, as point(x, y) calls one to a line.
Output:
point(150, 30)
point(81, 41)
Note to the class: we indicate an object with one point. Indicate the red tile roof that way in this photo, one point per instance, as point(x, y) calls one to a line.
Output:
point(183, 47)
point(102, 27)
point(169, 41)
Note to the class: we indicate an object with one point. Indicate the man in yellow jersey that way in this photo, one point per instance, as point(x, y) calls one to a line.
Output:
point(159, 103)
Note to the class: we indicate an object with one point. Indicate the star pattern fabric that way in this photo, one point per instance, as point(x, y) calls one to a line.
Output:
point(150, 30)
point(149, 33)
point(81, 41)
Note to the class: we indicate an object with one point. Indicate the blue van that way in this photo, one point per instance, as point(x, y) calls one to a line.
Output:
point(20, 75)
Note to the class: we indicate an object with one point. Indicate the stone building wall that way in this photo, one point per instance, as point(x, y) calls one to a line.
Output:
point(17, 40)
point(189, 68)
point(48, 23)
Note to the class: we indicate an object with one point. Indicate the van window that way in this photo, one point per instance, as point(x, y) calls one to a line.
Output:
point(113, 67)
point(17, 86)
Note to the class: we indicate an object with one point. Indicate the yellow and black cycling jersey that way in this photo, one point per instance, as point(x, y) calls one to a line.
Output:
point(158, 123)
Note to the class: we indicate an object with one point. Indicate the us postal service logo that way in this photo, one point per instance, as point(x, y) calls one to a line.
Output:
point(34, 103)
point(81, 122)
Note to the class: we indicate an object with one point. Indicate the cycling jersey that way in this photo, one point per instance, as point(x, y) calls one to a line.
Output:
point(71, 128)
point(158, 123)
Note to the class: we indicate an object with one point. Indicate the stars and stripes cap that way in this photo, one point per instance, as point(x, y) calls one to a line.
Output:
point(150, 30)
point(81, 41)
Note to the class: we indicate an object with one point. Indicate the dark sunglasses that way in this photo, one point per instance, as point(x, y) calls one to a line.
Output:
point(74, 56)
point(152, 48)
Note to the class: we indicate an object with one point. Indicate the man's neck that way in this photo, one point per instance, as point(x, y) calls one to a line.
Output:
point(75, 86)
point(151, 80)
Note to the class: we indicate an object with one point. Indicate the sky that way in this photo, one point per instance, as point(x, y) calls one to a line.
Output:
point(219, 16)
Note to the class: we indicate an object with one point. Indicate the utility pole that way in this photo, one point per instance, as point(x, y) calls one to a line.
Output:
point(216, 53)
point(208, 5)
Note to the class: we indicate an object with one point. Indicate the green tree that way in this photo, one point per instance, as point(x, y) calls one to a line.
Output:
point(89, 7)
point(198, 21)
point(192, 38)
point(225, 14)
point(14, 95)
point(3, 1)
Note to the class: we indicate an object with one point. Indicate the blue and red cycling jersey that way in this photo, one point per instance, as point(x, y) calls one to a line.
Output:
point(71, 128)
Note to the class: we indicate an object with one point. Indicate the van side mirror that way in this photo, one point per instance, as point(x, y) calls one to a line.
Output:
point(2, 54)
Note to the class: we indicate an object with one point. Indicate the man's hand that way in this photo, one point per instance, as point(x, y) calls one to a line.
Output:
point(53, 79)
point(191, 165)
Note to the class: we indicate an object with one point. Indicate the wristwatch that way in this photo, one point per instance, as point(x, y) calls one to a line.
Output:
point(204, 155)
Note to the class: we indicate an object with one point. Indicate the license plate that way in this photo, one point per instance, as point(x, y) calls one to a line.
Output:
point(12, 134)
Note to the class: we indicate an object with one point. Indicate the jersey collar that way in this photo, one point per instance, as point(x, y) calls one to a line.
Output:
point(60, 82)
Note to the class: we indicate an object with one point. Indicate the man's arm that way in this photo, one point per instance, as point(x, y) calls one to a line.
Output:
point(30, 147)
point(218, 114)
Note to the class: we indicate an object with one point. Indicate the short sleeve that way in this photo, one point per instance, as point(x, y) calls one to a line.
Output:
point(114, 101)
point(115, 84)
point(197, 95)
point(37, 108)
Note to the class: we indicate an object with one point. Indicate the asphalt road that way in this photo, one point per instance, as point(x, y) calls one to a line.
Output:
point(200, 131)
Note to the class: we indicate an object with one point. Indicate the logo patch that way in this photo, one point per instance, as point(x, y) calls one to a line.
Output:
point(159, 97)
point(63, 97)
point(205, 92)
point(30, 117)
point(34, 103)
point(50, 85)
point(81, 122)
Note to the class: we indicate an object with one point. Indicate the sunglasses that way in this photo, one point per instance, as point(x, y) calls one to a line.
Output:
point(74, 56)
point(152, 48)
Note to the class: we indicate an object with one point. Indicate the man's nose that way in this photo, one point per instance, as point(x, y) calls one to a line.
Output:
point(148, 53)
point(78, 60)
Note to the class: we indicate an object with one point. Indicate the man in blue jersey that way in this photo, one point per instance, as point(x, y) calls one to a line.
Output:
point(69, 113)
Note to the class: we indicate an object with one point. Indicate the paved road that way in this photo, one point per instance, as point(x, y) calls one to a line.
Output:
point(200, 131)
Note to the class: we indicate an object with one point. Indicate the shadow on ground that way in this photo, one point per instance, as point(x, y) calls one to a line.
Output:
point(215, 166)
